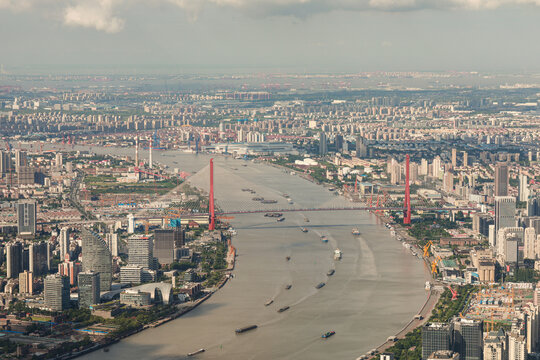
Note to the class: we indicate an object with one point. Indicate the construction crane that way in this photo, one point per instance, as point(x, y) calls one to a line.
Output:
point(434, 269)
point(426, 248)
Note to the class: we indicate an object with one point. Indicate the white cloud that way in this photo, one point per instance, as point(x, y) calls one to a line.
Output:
point(97, 14)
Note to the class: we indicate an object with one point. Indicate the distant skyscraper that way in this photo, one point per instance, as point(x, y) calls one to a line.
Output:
point(6, 164)
point(529, 246)
point(165, 243)
point(468, 335)
point(97, 257)
point(435, 337)
point(14, 260)
point(323, 144)
point(523, 187)
point(56, 292)
point(26, 217)
point(64, 242)
point(20, 159)
point(454, 158)
point(26, 282)
point(501, 180)
point(38, 258)
point(112, 243)
point(88, 289)
point(448, 182)
point(505, 210)
point(465, 158)
point(361, 147)
point(59, 160)
point(140, 251)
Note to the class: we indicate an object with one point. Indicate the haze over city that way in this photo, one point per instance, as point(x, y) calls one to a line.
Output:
point(269, 35)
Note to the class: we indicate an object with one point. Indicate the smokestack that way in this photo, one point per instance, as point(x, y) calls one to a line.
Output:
point(150, 160)
point(137, 151)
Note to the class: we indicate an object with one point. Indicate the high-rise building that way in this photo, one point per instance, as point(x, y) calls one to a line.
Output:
point(505, 210)
point(468, 336)
point(166, 241)
point(64, 242)
point(6, 164)
point(523, 186)
point(97, 257)
point(517, 347)
point(435, 337)
point(454, 158)
point(71, 269)
point(26, 217)
point(448, 182)
point(112, 243)
point(56, 292)
point(501, 180)
point(26, 282)
point(323, 144)
point(14, 260)
point(131, 224)
point(38, 258)
point(140, 251)
point(20, 159)
point(495, 347)
point(361, 147)
point(465, 158)
point(88, 282)
point(529, 239)
point(533, 206)
point(437, 168)
point(59, 161)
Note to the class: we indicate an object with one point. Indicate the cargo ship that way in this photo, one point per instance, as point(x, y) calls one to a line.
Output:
point(285, 308)
point(330, 272)
point(245, 328)
point(337, 254)
point(196, 352)
point(328, 334)
point(319, 285)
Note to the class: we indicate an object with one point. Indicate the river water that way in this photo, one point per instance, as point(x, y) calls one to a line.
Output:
point(376, 289)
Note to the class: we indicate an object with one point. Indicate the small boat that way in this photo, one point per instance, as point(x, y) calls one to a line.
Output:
point(324, 239)
point(257, 198)
point(281, 219)
point(306, 220)
point(355, 231)
point(269, 302)
point(288, 287)
point(245, 328)
point(319, 285)
point(337, 254)
point(196, 352)
point(304, 230)
point(328, 334)
point(106, 350)
point(330, 272)
point(268, 201)
point(285, 308)
point(287, 258)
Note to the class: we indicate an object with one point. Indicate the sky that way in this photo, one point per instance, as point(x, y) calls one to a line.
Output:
point(332, 36)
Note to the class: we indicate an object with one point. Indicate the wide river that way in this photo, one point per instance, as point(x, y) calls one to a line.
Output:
point(376, 289)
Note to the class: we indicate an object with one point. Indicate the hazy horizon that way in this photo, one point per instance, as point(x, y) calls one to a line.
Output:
point(338, 36)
